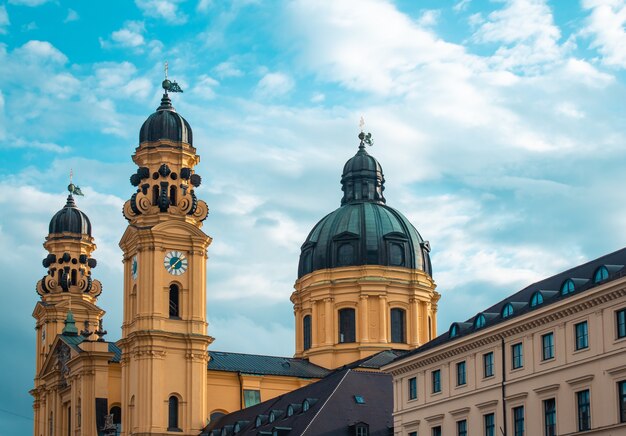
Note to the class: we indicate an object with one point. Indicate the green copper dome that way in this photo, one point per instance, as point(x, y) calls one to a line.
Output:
point(364, 230)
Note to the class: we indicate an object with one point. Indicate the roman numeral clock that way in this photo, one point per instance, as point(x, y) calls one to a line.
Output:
point(175, 263)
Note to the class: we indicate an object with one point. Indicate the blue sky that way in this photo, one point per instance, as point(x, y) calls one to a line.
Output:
point(499, 125)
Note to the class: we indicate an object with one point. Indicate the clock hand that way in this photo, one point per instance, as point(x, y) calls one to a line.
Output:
point(177, 262)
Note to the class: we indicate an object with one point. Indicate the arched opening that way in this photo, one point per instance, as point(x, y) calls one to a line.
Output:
point(131, 414)
point(347, 328)
point(567, 287)
point(173, 195)
point(74, 277)
point(479, 321)
point(306, 332)
point(116, 411)
point(601, 274)
point(155, 195)
point(216, 414)
point(174, 303)
point(536, 299)
point(398, 326)
point(172, 414)
point(507, 310)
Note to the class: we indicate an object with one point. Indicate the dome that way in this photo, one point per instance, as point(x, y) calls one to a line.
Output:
point(70, 219)
point(166, 123)
point(364, 230)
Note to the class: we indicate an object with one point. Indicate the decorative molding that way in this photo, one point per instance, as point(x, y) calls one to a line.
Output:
point(580, 380)
point(487, 404)
point(516, 397)
point(618, 370)
point(459, 412)
point(546, 389)
point(435, 418)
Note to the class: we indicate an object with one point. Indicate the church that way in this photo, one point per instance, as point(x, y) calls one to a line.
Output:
point(364, 295)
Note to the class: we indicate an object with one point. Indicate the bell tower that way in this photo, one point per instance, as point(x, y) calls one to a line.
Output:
point(164, 332)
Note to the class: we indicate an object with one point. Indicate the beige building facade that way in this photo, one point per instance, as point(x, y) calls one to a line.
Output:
point(549, 360)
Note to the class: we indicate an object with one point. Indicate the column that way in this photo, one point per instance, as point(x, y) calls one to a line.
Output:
point(413, 325)
point(383, 337)
point(315, 323)
point(329, 316)
point(363, 308)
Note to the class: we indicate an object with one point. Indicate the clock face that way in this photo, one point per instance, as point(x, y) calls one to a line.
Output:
point(175, 263)
point(133, 267)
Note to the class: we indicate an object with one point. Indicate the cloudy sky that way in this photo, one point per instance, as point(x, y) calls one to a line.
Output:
point(499, 125)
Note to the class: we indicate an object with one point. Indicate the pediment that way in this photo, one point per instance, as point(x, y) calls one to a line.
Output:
point(59, 356)
point(178, 228)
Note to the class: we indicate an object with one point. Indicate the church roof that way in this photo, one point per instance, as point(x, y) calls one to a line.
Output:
point(553, 289)
point(264, 365)
point(74, 341)
point(335, 404)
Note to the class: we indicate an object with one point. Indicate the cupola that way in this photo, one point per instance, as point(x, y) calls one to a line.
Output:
point(70, 219)
point(166, 123)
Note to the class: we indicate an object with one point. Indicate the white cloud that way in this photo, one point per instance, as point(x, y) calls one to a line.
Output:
point(41, 51)
point(205, 87)
point(164, 9)
point(72, 15)
point(569, 110)
point(461, 6)
point(4, 19)
point(527, 32)
point(318, 97)
point(131, 35)
point(204, 5)
point(227, 69)
point(429, 18)
point(605, 27)
point(274, 85)
point(35, 145)
point(28, 2)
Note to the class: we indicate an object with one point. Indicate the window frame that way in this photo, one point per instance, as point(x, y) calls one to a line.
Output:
point(307, 332)
point(412, 384)
point(343, 323)
point(517, 359)
point(620, 324)
point(461, 427)
point(621, 400)
point(536, 299)
point(435, 379)
point(174, 301)
point(461, 373)
point(398, 336)
point(547, 351)
point(518, 421)
point(489, 422)
point(488, 365)
point(257, 395)
point(601, 274)
point(173, 413)
point(568, 287)
point(549, 425)
point(583, 410)
point(507, 311)
point(435, 431)
point(581, 338)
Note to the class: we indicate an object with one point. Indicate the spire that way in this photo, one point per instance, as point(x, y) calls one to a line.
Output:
point(70, 325)
point(362, 179)
point(168, 86)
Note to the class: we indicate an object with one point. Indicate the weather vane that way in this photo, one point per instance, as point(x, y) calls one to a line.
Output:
point(74, 189)
point(366, 138)
point(170, 85)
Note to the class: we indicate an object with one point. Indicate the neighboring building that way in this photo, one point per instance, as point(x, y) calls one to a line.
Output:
point(548, 360)
point(364, 288)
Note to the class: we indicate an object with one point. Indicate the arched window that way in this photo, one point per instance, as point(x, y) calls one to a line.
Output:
point(454, 330)
point(116, 411)
point(74, 277)
point(601, 274)
point(507, 310)
point(173, 195)
point(398, 326)
point(396, 254)
point(306, 331)
point(536, 299)
point(216, 415)
point(479, 321)
point(345, 255)
point(172, 414)
point(174, 301)
point(347, 330)
point(567, 287)
point(155, 195)
point(305, 405)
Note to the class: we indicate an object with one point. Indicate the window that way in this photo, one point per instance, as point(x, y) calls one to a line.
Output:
point(601, 274)
point(536, 299)
point(413, 433)
point(567, 287)
point(460, 374)
point(345, 254)
point(174, 302)
point(507, 310)
point(398, 317)
point(359, 399)
point(584, 411)
point(361, 429)
point(621, 393)
point(346, 326)
point(479, 321)
point(436, 431)
point(582, 335)
point(436, 380)
point(490, 424)
point(547, 342)
point(518, 421)
point(172, 414)
point(621, 323)
point(412, 388)
point(306, 405)
point(396, 254)
point(549, 417)
point(306, 332)
point(518, 355)
point(488, 364)
point(461, 428)
point(454, 330)
point(251, 397)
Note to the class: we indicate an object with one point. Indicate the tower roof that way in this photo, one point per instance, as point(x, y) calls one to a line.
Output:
point(364, 230)
point(166, 123)
point(70, 218)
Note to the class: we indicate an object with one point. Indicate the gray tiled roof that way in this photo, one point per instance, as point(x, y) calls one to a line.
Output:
point(264, 365)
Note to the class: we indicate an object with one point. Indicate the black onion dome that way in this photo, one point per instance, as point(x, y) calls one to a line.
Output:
point(166, 123)
point(364, 230)
point(70, 219)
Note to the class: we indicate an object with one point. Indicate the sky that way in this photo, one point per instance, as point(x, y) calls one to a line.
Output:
point(499, 126)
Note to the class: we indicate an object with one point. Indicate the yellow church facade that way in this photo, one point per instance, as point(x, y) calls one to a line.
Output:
point(364, 286)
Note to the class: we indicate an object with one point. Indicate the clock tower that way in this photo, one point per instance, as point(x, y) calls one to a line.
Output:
point(164, 332)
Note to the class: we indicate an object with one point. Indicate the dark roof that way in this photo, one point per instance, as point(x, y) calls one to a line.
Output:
point(377, 360)
point(74, 340)
point(362, 178)
point(332, 411)
point(70, 219)
point(582, 276)
point(166, 123)
point(264, 365)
